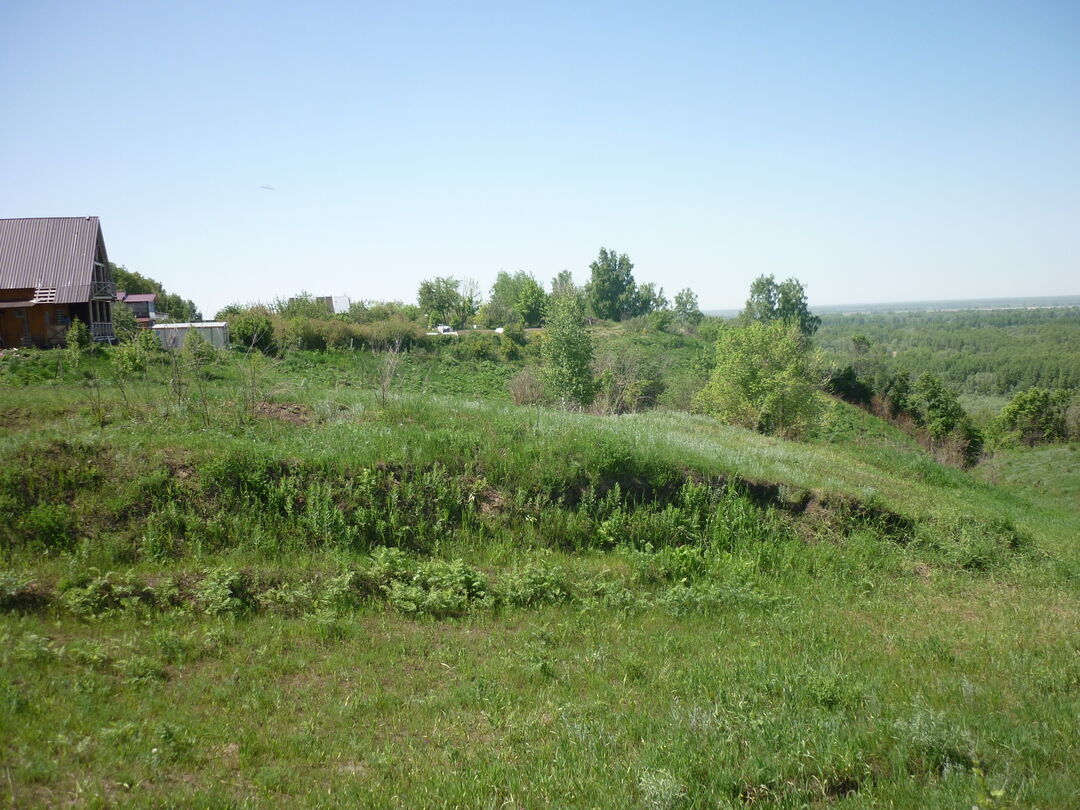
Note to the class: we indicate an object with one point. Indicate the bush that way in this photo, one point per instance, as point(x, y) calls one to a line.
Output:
point(1035, 416)
point(438, 589)
point(252, 329)
point(762, 380)
point(536, 583)
point(227, 592)
point(50, 524)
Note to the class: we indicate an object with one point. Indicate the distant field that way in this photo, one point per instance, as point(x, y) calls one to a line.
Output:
point(948, 305)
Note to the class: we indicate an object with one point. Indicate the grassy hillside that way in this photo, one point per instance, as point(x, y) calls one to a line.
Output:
point(298, 591)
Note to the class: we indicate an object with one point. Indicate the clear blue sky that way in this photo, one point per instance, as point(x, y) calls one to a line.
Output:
point(876, 151)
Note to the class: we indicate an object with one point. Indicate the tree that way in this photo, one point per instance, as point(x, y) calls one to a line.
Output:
point(941, 410)
point(1035, 416)
point(647, 299)
point(567, 353)
point(364, 312)
point(784, 302)
point(611, 291)
point(951, 431)
point(78, 338)
point(125, 324)
point(686, 308)
point(563, 284)
point(438, 298)
point(761, 305)
point(515, 298)
point(167, 304)
point(763, 379)
point(531, 302)
point(467, 304)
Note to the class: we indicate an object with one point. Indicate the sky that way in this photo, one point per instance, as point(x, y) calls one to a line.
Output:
point(245, 151)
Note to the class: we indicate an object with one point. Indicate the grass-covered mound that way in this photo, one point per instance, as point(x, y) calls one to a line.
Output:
point(343, 597)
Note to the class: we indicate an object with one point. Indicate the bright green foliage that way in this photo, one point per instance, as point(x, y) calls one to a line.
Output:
point(896, 389)
point(988, 352)
point(611, 292)
point(761, 305)
point(563, 284)
point(78, 336)
point(531, 302)
point(647, 299)
point(448, 300)
point(686, 308)
point(950, 429)
point(252, 329)
point(942, 412)
point(784, 302)
point(439, 298)
point(364, 312)
point(567, 353)
point(124, 323)
point(517, 298)
point(1035, 416)
point(134, 355)
point(205, 615)
point(763, 379)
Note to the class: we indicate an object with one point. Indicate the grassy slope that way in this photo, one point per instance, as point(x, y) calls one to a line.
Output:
point(843, 667)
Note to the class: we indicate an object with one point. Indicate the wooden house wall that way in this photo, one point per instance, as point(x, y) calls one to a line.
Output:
point(46, 324)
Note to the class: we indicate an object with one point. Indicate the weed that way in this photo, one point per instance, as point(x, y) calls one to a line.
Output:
point(226, 592)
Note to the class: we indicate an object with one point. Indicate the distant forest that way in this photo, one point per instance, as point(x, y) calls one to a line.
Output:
point(996, 352)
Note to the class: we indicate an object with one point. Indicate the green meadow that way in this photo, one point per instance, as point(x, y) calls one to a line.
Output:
point(282, 583)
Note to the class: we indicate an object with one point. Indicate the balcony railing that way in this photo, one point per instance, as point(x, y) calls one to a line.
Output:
point(102, 331)
point(103, 290)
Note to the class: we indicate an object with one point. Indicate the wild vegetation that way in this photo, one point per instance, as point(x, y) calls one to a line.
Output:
point(516, 570)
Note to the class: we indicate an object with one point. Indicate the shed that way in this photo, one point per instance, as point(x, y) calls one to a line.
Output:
point(172, 335)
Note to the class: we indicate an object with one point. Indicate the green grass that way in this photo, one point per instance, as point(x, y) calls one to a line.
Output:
point(198, 606)
point(1048, 475)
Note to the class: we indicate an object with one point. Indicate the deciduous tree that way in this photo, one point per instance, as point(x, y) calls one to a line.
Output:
point(567, 353)
point(769, 301)
point(611, 291)
point(763, 379)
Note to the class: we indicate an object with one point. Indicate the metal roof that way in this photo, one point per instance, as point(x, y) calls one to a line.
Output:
point(50, 253)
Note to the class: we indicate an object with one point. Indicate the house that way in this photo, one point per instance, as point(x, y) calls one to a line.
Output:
point(53, 269)
point(337, 304)
point(142, 305)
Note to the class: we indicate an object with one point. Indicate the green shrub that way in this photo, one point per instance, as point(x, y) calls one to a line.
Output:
point(227, 592)
point(763, 379)
point(439, 589)
point(50, 524)
point(90, 595)
point(536, 583)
